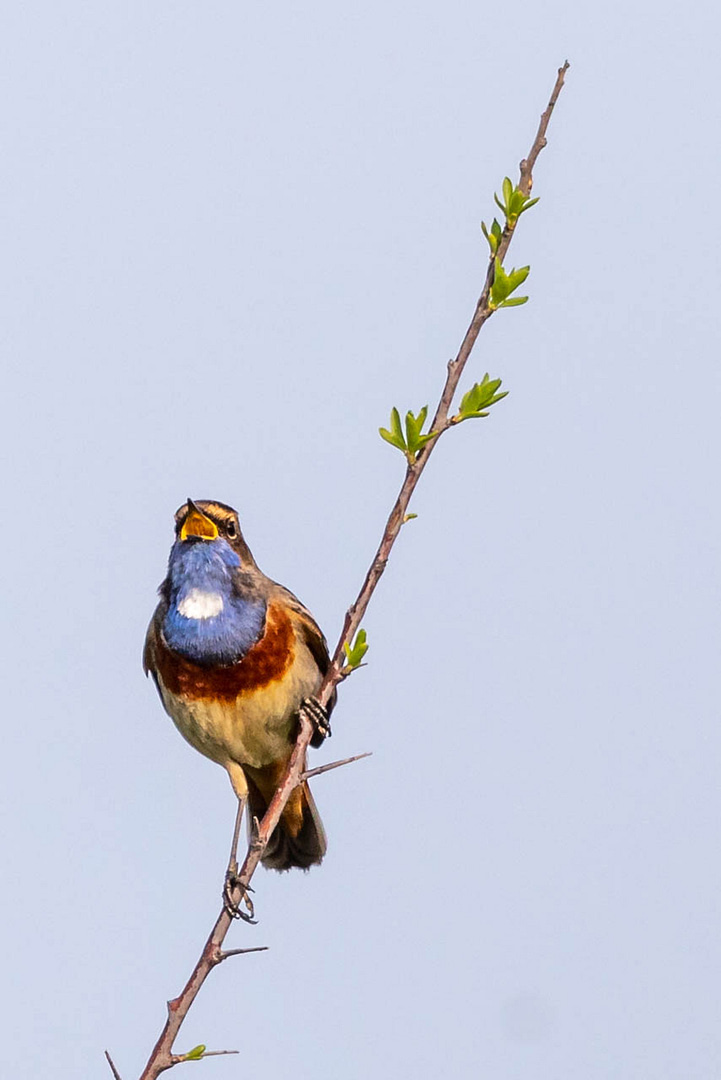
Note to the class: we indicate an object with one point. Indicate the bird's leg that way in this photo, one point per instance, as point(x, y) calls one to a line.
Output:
point(233, 860)
point(231, 875)
point(318, 716)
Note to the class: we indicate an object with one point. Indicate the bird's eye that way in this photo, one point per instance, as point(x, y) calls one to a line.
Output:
point(230, 530)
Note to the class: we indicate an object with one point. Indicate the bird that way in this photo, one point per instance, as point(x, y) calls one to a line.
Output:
point(234, 656)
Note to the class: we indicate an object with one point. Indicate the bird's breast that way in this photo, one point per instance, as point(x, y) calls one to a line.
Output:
point(244, 712)
point(266, 662)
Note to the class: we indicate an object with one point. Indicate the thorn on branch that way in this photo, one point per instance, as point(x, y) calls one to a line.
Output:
point(218, 955)
point(223, 954)
point(333, 765)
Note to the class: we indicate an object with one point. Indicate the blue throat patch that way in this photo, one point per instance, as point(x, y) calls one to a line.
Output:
point(208, 620)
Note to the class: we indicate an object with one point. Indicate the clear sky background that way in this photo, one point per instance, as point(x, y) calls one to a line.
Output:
point(234, 235)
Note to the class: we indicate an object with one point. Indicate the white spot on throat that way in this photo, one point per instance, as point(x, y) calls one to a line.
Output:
point(200, 605)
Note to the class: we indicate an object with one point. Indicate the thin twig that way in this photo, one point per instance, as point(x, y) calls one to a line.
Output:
point(114, 1071)
point(225, 953)
point(162, 1058)
point(217, 1053)
point(526, 181)
point(178, 1059)
point(333, 765)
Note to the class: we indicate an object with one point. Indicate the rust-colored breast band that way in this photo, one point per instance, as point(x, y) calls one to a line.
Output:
point(265, 663)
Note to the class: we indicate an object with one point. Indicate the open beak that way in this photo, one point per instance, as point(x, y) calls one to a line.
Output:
point(197, 525)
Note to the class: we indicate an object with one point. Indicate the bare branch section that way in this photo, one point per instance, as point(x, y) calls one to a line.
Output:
point(113, 1070)
point(162, 1057)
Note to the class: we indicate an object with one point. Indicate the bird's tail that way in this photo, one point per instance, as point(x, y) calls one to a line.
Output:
point(299, 837)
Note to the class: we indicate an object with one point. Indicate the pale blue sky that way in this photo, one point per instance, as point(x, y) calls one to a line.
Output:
point(234, 236)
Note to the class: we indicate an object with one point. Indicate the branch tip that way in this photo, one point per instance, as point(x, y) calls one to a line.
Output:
point(114, 1071)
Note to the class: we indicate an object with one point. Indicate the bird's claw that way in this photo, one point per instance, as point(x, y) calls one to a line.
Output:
point(234, 909)
point(318, 716)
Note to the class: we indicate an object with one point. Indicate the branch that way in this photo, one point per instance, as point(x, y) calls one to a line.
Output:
point(114, 1071)
point(162, 1057)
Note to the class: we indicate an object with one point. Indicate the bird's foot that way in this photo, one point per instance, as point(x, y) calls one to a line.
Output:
point(318, 716)
point(233, 908)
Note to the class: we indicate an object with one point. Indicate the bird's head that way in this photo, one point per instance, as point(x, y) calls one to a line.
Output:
point(207, 522)
point(209, 546)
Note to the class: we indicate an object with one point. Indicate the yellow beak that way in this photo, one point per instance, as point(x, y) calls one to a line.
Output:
point(198, 525)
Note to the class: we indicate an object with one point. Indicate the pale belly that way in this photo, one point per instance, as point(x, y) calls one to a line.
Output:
point(255, 729)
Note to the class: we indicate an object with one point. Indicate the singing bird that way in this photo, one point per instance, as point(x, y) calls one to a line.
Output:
point(234, 655)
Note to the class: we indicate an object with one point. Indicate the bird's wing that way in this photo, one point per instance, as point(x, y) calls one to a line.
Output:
point(149, 662)
point(312, 636)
